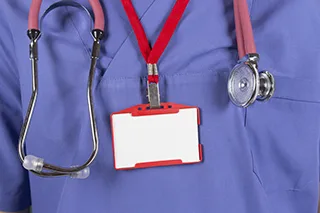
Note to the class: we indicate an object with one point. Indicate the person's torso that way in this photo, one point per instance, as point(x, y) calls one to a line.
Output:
point(259, 160)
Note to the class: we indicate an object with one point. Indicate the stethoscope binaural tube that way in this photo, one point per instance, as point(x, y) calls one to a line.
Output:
point(35, 164)
point(245, 83)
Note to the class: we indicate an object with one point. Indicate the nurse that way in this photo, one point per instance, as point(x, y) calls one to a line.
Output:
point(262, 158)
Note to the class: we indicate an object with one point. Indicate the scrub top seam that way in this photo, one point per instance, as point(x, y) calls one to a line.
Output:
point(7, 23)
point(67, 179)
point(138, 78)
point(296, 100)
point(78, 33)
point(251, 8)
point(318, 159)
point(18, 110)
point(124, 41)
point(16, 74)
point(62, 194)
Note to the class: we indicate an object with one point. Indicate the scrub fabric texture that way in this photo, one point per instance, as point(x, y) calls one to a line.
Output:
point(259, 160)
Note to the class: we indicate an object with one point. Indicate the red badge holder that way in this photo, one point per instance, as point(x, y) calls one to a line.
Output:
point(155, 134)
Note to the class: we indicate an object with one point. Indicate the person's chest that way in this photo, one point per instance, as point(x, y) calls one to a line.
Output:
point(193, 70)
point(202, 47)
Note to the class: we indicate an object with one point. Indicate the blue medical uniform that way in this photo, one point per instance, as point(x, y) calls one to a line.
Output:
point(260, 160)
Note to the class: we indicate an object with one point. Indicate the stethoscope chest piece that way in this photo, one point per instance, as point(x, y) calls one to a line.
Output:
point(267, 84)
point(246, 84)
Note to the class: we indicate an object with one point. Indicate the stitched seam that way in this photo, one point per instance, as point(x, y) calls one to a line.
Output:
point(296, 100)
point(253, 168)
point(245, 117)
point(250, 8)
point(62, 193)
point(301, 79)
point(16, 73)
point(130, 33)
point(78, 33)
point(13, 43)
point(165, 75)
point(8, 107)
point(295, 189)
point(68, 178)
point(222, 72)
point(210, 71)
point(88, 52)
point(128, 36)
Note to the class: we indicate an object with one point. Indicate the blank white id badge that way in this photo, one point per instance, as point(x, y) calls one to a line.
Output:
point(144, 137)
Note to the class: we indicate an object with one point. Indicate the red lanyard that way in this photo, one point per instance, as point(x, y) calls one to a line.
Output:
point(152, 56)
point(244, 32)
point(245, 39)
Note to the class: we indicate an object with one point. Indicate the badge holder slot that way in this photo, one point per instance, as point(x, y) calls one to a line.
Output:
point(155, 134)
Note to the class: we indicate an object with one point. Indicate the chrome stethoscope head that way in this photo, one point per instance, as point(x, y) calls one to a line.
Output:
point(246, 84)
point(35, 164)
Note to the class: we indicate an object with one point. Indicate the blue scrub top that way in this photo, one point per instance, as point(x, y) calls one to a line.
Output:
point(260, 160)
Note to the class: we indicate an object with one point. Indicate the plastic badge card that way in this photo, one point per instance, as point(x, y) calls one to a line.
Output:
point(144, 137)
point(155, 134)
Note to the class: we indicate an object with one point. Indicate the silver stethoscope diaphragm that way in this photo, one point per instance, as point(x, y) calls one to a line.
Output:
point(246, 84)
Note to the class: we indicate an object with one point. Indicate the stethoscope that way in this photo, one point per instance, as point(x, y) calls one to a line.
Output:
point(245, 83)
point(36, 164)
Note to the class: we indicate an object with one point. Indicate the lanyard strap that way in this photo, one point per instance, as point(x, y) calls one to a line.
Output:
point(244, 33)
point(152, 56)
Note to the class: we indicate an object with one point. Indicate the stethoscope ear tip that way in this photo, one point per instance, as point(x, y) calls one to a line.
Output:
point(33, 163)
point(82, 174)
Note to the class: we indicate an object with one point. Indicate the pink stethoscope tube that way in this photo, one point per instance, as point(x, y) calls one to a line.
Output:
point(245, 39)
point(33, 19)
point(244, 33)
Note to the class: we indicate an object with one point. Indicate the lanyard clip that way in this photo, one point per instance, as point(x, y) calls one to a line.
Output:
point(153, 86)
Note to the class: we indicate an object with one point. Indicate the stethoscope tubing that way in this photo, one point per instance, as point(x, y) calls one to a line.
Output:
point(34, 35)
point(33, 18)
point(245, 43)
point(263, 85)
point(244, 33)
